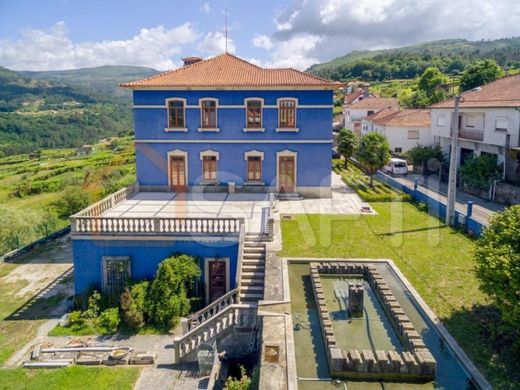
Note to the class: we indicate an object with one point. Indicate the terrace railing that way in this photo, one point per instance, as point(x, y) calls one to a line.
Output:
point(154, 225)
point(105, 204)
point(474, 135)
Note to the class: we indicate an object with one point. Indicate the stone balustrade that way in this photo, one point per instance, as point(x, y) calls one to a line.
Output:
point(97, 209)
point(200, 317)
point(154, 225)
point(415, 362)
point(220, 324)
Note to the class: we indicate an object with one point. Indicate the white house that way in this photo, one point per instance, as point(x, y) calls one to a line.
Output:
point(355, 112)
point(403, 129)
point(489, 122)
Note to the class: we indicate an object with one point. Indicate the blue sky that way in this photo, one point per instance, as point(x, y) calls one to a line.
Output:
point(62, 34)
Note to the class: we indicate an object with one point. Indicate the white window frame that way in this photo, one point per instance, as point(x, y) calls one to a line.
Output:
point(441, 120)
point(467, 120)
point(254, 153)
point(209, 153)
point(175, 129)
point(287, 153)
point(294, 129)
point(207, 260)
point(105, 259)
point(504, 119)
point(260, 129)
point(209, 129)
point(418, 132)
point(177, 153)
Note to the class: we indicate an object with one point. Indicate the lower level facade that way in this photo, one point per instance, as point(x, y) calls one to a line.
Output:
point(292, 167)
point(103, 264)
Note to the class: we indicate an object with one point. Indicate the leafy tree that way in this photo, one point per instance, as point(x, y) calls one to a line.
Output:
point(479, 172)
point(430, 87)
point(168, 298)
point(19, 227)
point(479, 73)
point(426, 157)
point(373, 153)
point(133, 303)
point(72, 201)
point(347, 144)
point(244, 383)
point(498, 263)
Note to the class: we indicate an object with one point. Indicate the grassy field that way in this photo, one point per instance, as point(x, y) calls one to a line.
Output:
point(75, 377)
point(33, 183)
point(437, 260)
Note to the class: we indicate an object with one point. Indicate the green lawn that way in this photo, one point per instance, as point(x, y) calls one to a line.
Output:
point(437, 260)
point(75, 377)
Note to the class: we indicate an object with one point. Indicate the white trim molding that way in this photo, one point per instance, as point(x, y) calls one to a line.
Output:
point(233, 141)
point(287, 153)
point(235, 106)
point(209, 153)
point(167, 104)
point(261, 100)
point(207, 260)
point(253, 129)
point(176, 130)
point(254, 153)
point(208, 130)
point(177, 153)
point(214, 129)
point(287, 130)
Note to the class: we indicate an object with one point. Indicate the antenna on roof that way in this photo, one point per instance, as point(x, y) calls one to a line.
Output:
point(225, 21)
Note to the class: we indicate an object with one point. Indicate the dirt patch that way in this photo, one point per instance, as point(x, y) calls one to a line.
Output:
point(39, 269)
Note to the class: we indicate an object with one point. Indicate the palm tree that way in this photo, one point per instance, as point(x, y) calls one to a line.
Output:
point(347, 144)
point(373, 153)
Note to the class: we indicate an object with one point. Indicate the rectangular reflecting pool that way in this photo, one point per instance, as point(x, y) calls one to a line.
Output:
point(373, 331)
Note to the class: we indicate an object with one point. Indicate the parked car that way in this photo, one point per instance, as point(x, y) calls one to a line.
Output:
point(396, 166)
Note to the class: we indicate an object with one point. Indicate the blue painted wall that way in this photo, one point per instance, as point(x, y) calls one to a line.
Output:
point(314, 124)
point(145, 256)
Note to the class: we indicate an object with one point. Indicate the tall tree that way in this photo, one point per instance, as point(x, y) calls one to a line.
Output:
point(498, 263)
point(347, 144)
point(373, 153)
point(479, 73)
point(430, 87)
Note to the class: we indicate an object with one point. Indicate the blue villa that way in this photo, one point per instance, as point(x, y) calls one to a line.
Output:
point(220, 129)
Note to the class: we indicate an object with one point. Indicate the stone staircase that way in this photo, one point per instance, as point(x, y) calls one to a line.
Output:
point(289, 196)
point(253, 269)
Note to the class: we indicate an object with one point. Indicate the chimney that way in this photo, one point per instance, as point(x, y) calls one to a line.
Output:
point(366, 90)
point(191, 60)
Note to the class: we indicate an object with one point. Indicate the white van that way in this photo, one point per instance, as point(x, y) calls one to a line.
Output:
point(396, 166)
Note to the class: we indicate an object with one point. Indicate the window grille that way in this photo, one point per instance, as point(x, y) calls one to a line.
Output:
point(116, 275)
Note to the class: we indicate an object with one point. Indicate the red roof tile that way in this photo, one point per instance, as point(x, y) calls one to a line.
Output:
point(376, 103)
point(405, 118)
point(227, 70)
point(504, 92)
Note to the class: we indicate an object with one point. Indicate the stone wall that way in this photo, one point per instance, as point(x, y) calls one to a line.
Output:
point(507, 193)
point(415, 363)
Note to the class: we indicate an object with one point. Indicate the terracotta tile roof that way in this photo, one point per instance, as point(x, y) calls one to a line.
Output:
point(504, 92)
point(405, 118)
point(381, 113)
point(375, 103)
point(350, 97)
point(227, 70)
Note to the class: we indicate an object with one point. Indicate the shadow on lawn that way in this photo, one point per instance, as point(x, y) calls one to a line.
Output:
point(46, 303)
point(489, 342)
point(412, 230)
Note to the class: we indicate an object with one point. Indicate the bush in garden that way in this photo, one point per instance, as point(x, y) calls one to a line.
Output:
point(75, 318)
point(110, 319)
point(72, 200)
point(168, 298)
point(133, 303)
point(479, 172)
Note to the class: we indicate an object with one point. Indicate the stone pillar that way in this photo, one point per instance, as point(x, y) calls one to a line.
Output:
point(356, 293)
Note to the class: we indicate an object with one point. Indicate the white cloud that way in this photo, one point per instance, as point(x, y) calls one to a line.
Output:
point(206, 8)
point(296, 52)
point(339, 26)
point(214, 43)
point(54, 50)
point(263, 41)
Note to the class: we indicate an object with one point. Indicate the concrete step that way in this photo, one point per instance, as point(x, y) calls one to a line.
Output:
point(254, 250)
point(252, 275)
point(253, 262)
point(251, 288)
point(251, 297)
point(252, 282)
point(289, 196)
point(253, 268)
point(253, 255)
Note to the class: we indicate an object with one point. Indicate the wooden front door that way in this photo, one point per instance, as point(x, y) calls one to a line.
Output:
point(216, 279)
point(178, 173)
point(286, 174)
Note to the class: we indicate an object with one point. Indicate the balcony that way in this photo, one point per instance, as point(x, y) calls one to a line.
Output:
point(130, 212)
point(471, 134)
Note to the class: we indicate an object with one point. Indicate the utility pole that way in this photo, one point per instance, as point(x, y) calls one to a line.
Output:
point(452, 179)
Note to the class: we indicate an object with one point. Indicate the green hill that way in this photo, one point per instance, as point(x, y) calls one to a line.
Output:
point(101, 81)
point(450, 55)
point(64, 108)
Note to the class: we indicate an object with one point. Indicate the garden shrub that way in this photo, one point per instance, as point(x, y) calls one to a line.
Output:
point(480, 172)
point(242, 383)
point(110, 319)
point(168, 298)
point(133, 303)
point(72, 200)
point(75, 318)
